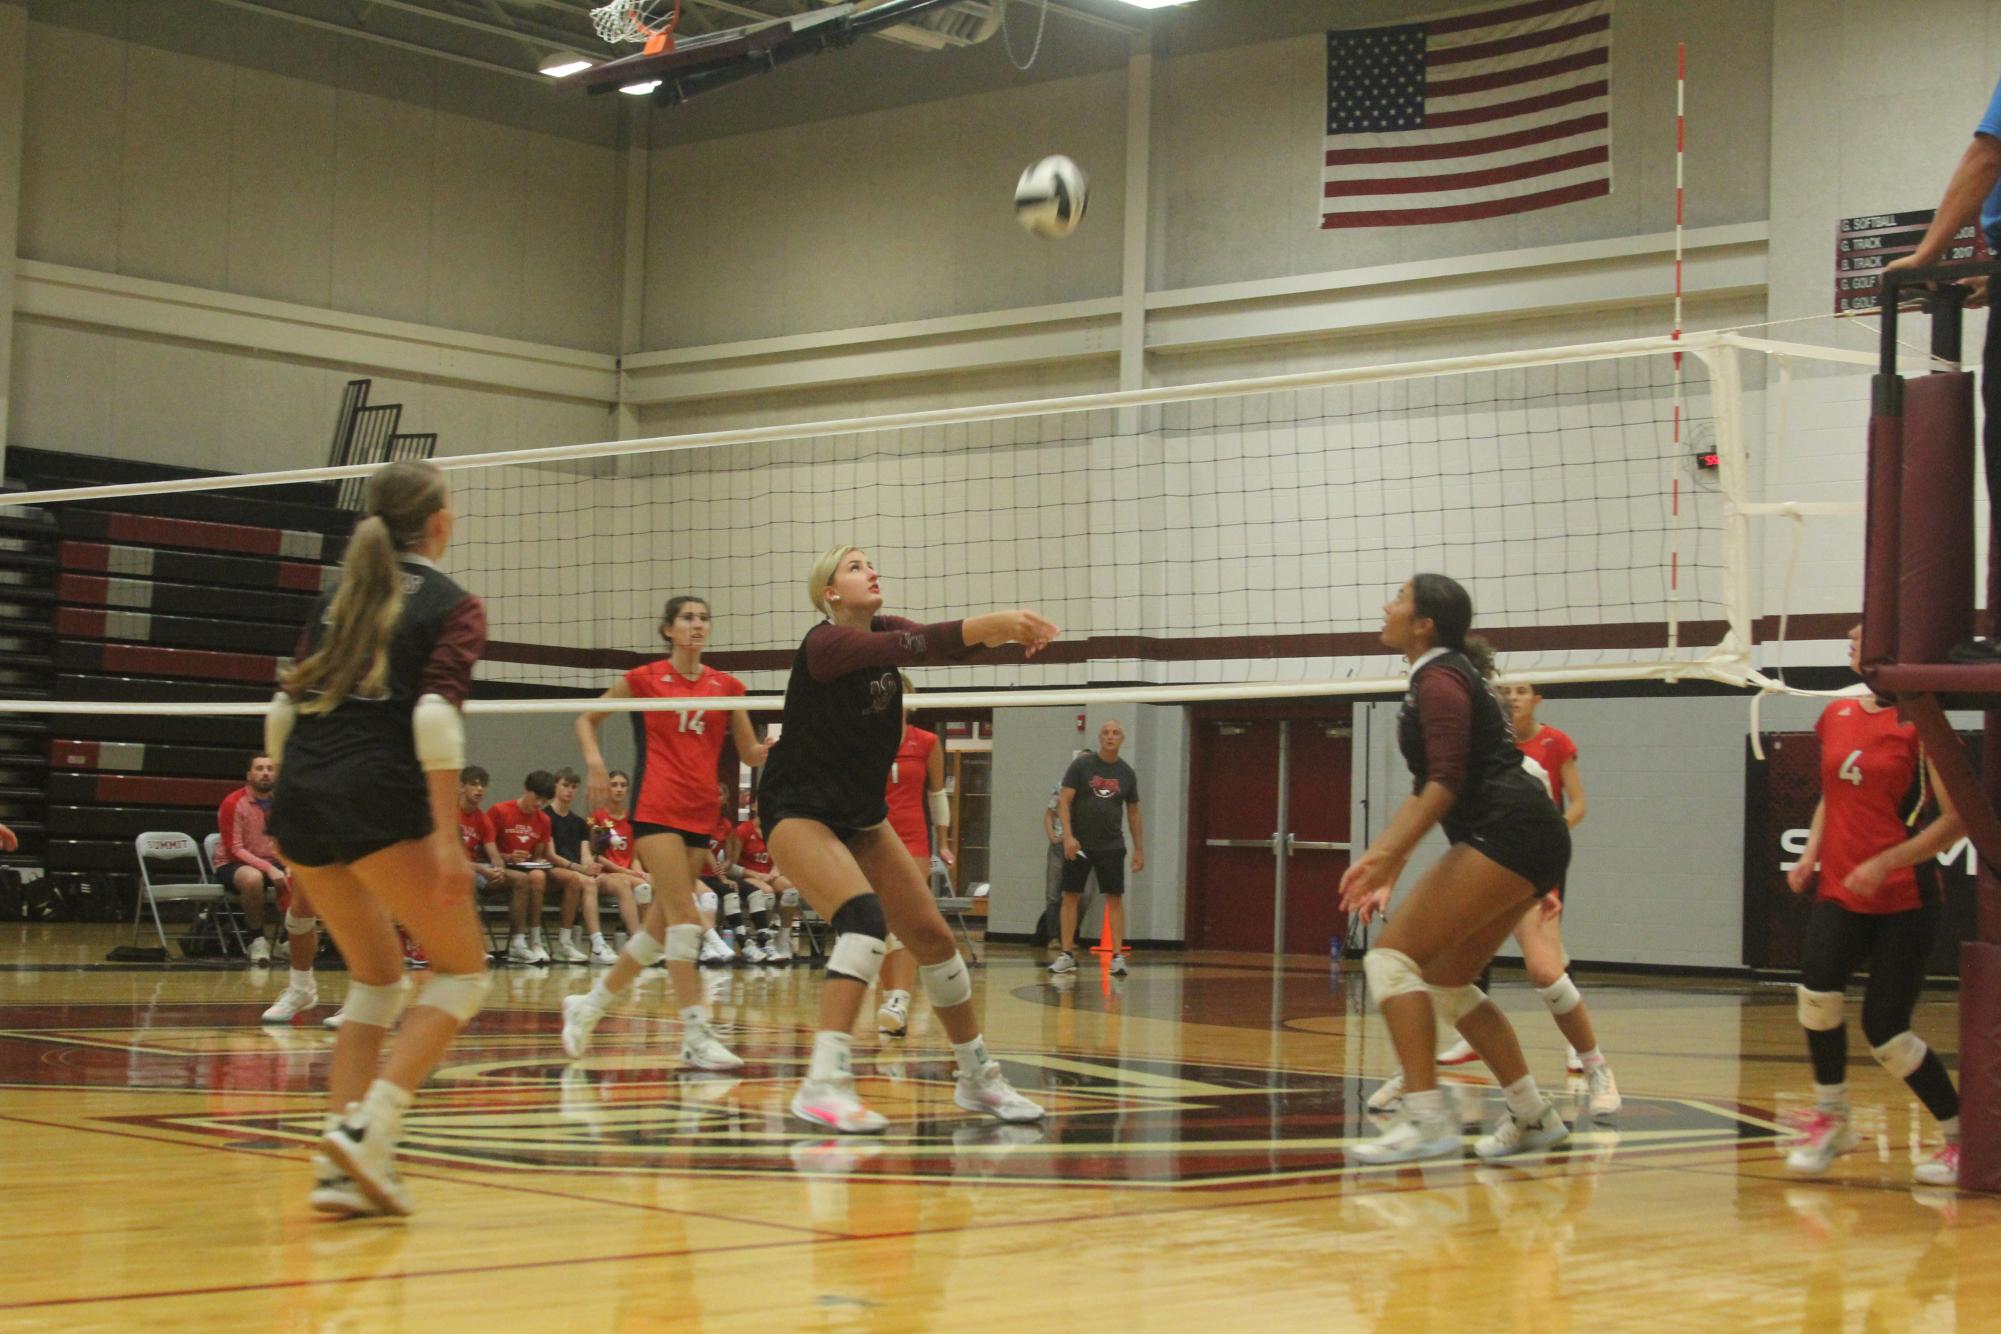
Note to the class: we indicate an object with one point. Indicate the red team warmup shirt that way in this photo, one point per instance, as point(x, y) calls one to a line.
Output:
point(675, 779)
point(475, 831)
point(515, 832)
point(1552, 750)
point(719, 839)
point(611, 840)
point(906, 790)
point(752, 855)
point(1872, 779)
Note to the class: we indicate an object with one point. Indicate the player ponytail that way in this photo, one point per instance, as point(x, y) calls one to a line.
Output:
point(354, 657)
point(1449, 607)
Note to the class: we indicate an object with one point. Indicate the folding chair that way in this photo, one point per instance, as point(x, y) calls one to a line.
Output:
point(176, 847)
point(954, 907)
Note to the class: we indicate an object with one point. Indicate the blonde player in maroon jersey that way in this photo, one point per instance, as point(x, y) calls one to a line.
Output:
point(917, 805)
point(1877, 904)
point(673, 810)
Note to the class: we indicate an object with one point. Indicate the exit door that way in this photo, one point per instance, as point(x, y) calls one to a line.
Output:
point(1268, 828)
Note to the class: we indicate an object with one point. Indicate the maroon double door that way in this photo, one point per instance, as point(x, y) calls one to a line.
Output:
point(1268, 826)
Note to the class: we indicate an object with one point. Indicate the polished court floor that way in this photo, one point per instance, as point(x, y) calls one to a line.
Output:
point(1190, 1177)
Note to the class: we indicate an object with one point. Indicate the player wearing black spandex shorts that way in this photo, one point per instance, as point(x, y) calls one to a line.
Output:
point(1509, 847)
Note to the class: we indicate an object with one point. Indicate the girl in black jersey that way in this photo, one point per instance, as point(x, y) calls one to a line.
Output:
point(1509, 848)
point(367, 732)
point(826, 822)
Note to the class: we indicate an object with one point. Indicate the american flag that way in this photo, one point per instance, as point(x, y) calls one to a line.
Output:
point(1472, 115)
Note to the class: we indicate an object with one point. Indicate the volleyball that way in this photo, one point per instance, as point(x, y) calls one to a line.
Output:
point(1049, 199)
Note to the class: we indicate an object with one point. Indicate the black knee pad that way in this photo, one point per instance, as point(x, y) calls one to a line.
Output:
point(862, 915)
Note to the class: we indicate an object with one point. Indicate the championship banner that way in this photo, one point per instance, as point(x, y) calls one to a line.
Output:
point(1780, 792)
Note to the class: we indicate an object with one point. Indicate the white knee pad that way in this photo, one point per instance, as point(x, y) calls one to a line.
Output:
point(644, 949)
point(1455, 1003)
point(856, 955)
point(788, 898)
point(758, 900)
point(1391, 973)
point(947, 983)
point(706, 900)
point(1561, 996)
point(1820, 1011)
point(458, 994)
point(367, 1003)
point(1902, 1054)
point(684, 943)
point(890, 944)
point(299, 926)
point(732, 904)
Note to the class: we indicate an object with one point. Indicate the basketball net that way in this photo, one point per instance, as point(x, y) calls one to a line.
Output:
point(649, 21)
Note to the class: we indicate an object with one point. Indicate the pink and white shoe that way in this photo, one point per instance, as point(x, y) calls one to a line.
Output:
point(1823, 1137)
point(1941, 1169)
point(832, 1103)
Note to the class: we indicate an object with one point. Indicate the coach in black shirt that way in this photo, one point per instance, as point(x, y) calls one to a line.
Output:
point(1095, 790)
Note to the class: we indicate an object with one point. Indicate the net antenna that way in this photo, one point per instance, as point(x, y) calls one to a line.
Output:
point(651, 22)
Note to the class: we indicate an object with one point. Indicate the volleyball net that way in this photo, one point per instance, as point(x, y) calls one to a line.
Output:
point(1226, 540)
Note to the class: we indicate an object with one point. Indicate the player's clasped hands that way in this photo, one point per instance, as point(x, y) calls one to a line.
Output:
point(1021, 626)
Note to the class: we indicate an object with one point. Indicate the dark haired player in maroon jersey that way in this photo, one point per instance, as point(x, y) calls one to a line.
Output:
point(1509, 848)
point(1877, 904)
point(826, 819)
point(673, 812)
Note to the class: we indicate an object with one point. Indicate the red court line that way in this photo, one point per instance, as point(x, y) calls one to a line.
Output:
point(1491, 208)
point(1493, 143)
point(1469, 180)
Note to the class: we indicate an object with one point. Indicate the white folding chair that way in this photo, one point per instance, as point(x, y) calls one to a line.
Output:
point(211, 851)
point(954, 907)
point(170, 847)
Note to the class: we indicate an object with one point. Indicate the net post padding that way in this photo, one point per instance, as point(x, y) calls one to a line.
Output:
point(1881, 528)
point(1980, 1055)
point(1934, 607)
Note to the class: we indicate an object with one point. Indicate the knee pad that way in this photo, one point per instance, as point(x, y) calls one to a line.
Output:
point(299, 926)
point(855, 956)
point(862, 916)
point(458, 994)
point(890, 944)
point(1561, 996)
point(684, 943)
point(1391, 973)
point(788, 898)
point(1902, 1054)
point(645, 950)
point(947, 983)
point(368, 1003)
point(1820, 1011)
point(758, 900)
point(706, 900)
point(1455, 1003)
point(732, 903)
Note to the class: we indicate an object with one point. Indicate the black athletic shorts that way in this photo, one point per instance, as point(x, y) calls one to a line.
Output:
point(341, 813)
point(1531, 841)
point(225, 873)
point(1109, 863)
point(641, 829)
point(312, 852)
point(769, 816)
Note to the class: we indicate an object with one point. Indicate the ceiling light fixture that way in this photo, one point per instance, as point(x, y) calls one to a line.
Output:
point(640, 89)
point(562, 64)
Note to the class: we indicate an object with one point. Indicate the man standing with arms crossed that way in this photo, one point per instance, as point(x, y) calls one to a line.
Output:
point(1095, 789)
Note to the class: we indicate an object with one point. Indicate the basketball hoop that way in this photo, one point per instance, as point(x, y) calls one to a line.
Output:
point(649, 21)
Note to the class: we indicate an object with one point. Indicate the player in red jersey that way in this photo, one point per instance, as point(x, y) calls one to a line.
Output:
point(917, 804)
point(521, 834)
point(610, 863)
point(749, 860)
point(1877, 903)
point(673, 809)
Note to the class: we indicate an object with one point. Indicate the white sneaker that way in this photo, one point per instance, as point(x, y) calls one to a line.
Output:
point(580, 1018)
point(832, 1103)
point(260, 950)
point(700, 1049)
point(291, 1001)
point(336, 1019)
point(569, 953)
point(1824, 1136)
point(780, 949)
point(540, 951)
point(1410, 1139)
point(1572, 1062)
point(1601, 1090)
point(335, 1193)
point(604, 954)
point(990, 1092)
point(368, 1157)
point(522, 953)
point(1941, 1169)
point(1064, 963)
point(1388, 1094)
point(716, 951)
point(1459, 1053)
point(752, 952)
point(893, 1019)
point(1119, 965)
point(1513, 1135)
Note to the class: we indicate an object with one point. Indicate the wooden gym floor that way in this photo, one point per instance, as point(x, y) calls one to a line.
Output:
point(1190, 1176)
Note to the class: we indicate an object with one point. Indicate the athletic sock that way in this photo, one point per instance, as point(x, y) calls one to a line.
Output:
point(1587, 1059)
point(520, 942)
point(891, 997)
point(832, 1056)
point(1426, 1106)
point(535, 938)
point(305, 981)
point(599, 996)
point(1950, 1129)
point(1831, 1098)
point(1524, 1099)
point(1828, 1049)
point(971, 1056)
point(384, 1105)
point(694, 1015)
point(1934, 1088)
point(597, 941)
